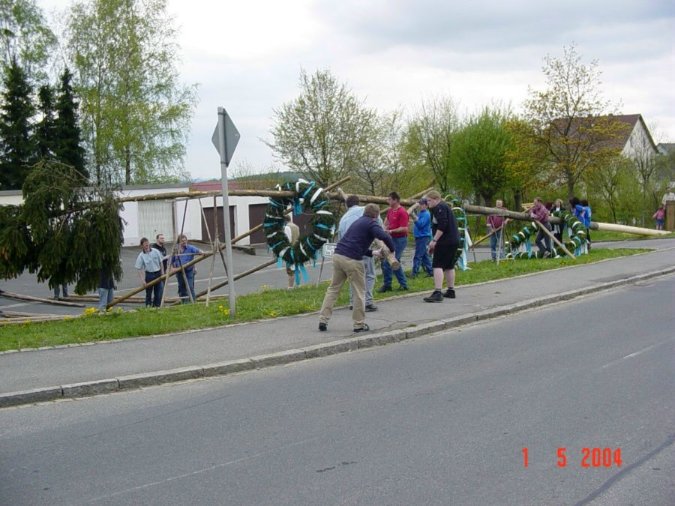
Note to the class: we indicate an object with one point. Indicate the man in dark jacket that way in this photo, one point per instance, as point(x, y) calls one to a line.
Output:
point(443, 245)
point(348, 265)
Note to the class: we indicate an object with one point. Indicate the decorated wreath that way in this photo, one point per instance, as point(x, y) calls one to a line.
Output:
point(576, 241)
point(308, 197)
point(460, 216)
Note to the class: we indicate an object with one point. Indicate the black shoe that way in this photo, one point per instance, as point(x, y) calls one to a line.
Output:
point(437, 296)
point(384, 288)
point(403, 288)
point(351, 307)
point(430, 274)
point(449, 293)
point(370, 308)
point(323, 327)
point(365, 328)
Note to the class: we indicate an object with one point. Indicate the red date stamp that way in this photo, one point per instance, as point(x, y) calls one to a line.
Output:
point(589, 457)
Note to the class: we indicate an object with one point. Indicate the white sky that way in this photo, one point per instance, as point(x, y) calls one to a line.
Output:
point(246, 56)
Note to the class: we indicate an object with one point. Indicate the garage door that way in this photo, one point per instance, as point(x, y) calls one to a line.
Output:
point(208, 213)
point(156, 217)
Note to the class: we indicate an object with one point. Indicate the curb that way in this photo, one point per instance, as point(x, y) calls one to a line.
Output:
point(135, 381)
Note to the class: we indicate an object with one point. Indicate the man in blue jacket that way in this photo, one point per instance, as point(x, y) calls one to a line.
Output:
point(422, 234)
point(348, 265)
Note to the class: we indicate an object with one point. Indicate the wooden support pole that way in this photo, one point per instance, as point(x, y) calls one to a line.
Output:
point(476, 243)
point(18, 296)
point(554, 239)
point(239, 276)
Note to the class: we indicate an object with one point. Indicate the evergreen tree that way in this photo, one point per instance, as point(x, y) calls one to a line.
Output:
point(63, 232)
point(45, 129)
point(68, 142)
point(17, 149)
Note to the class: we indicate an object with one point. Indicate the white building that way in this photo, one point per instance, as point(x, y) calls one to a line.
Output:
point(170, 216)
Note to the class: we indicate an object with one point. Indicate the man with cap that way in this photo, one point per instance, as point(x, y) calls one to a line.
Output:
point(422, 234)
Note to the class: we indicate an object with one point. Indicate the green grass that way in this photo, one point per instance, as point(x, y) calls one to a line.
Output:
point(268, 303)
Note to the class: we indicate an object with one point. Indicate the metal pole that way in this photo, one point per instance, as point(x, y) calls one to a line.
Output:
point(226, 207)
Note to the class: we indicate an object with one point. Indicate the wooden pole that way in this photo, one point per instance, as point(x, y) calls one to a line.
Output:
point(554, 239)
point(214, 245)
point(18, 296)
point(240, 275)
point(494, 231)
point(612, 227)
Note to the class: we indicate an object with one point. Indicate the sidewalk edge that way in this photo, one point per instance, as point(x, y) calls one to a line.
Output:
point(141, 380)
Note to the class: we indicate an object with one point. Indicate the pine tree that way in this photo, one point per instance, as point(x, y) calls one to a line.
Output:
point(68, 136)
point(17, 147)
point(45, 129)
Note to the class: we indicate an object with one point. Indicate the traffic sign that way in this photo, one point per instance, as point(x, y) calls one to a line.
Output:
point(230, 137)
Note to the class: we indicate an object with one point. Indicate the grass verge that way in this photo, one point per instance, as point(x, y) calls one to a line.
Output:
point(268, 303)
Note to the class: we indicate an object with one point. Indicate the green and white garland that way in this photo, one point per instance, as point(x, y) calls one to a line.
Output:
point(576, 238)
point(308, 197)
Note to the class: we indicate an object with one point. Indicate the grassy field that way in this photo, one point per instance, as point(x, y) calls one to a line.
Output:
point(268, 303)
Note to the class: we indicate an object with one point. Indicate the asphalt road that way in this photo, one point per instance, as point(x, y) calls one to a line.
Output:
point(437, 420)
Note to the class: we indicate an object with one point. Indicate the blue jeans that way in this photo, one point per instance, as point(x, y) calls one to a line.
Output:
point(399, 245)
point(57, 291)
point(182, 289)
point(105, 297)
point(369, 268)
point(421, 257)
point(546, 245)
point(155, 290)
point(496, 244)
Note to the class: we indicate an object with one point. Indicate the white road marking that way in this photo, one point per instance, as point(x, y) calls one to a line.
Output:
point(637, 353)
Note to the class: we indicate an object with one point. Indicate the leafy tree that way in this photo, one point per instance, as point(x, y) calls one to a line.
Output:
point(382, 168)
point(569, 118)
point(429, 140)
point(523, 160)
point(135, 113)
point(607, 185)
point(45, 129)
point(326, 133)
point(478, 157)
point(644, 156)
point(17, 149)
point(25, 37)
point(665, 166)
point(68, 135)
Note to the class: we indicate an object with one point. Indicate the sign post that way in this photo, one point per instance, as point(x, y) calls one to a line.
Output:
point(225, 139)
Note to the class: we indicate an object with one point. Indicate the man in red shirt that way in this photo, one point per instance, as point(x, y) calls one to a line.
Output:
point(396, 225)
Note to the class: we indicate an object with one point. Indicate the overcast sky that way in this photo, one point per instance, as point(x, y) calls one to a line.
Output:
point(246, 56)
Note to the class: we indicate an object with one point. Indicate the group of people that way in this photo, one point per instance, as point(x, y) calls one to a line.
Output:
point(542, 214)
point(436, 233)
point(153, 263)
